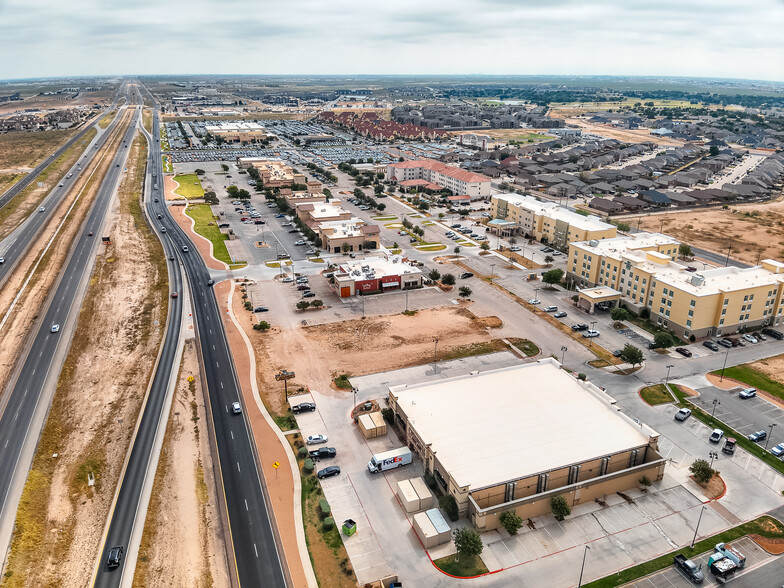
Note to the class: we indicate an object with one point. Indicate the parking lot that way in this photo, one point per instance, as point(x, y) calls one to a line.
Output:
point(672, 578)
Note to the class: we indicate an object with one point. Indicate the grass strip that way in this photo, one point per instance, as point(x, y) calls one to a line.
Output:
point(206, 226)
point(656, 395)
point(748, 375)
point(190, 186)
point(764, 526)
point(466, 567)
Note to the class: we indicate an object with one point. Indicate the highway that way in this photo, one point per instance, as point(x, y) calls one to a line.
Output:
point(14, 247)
point(256, 556)
point(30, 177)
point(18, 427)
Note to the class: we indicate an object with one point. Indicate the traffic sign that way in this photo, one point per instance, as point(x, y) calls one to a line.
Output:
point(276, 464)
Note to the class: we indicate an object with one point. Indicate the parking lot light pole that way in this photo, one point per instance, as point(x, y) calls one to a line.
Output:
point(769, 436)
point(354, 390)
point(582, 567)
point(716, 402)
point(713, 455)
point(726, 355)
point(667, 378)
point(564, 349)
point(492, 272)
point(435, 352)
point(697, 528)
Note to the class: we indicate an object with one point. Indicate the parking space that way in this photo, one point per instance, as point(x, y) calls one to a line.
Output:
point(672, 578)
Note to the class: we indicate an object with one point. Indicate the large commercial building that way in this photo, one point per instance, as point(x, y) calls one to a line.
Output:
point(512, 438)
point(353, 232)
point(273, 172)
point(375, 274)
point(641, 271)
point(314, 213)
point(548, 222)
point(459, 181)
point(238, 131)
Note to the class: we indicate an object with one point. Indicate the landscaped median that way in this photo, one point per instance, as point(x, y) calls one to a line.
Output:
point(190, 186)
point(765, 526)
point(205, 224)
point(657, 394)
point(715, 423)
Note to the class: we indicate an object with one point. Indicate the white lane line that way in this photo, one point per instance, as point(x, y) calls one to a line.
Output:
point(246, 504)
point(238, 467)
point(256, 550)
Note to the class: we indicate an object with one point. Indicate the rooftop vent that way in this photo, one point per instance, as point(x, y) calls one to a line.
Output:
point(697, 280)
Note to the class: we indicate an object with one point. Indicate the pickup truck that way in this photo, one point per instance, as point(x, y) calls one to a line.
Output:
point(689, 569)
point(323, 452)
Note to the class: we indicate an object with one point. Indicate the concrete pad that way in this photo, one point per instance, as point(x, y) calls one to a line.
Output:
point(533, 545)
point(561, 537)
point(501, 554)
point(643, 542)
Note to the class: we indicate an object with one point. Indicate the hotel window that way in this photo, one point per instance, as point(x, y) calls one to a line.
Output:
point(747, 317)
point(644, 280)
point(688, 323)
point(751, 297)
point(661, 310)
point(745, 298)
point(692, 302)
point(740, 318)
point(669, 303)
point(743, 308)
point(721, 322)
point(723, 311)
point(666, 313)
point(726, 301)
point(691, 313)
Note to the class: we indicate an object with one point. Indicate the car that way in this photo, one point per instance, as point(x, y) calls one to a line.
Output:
point(293, 230)
point(736, 342)
point(286, 224)
point(303, 407)
point(777, 450)
point(682, 414)
point(236, 408)
point(617, 352)
point(747, 393)
point(42, 209)
point(466, 275)
point(55, 328)
point(551, 308)
point(591, 333)
point(299, 242)
point(556, 253)
point(548, 250)
point(2, 261)
point(316, 439)
point(115, 556)
point(710, 345)
point(261, 309)
point(691, 268)
point(311, 252)
point(301, 279)
point(287, 280)
point(160, 216)
point(210, 282)
point(328, 472)
point(559, 314)
point(163, 229)
point(716, 435)
point(456, 226)
point(413, 240)
point(474, 235)
point(757, 436)
point(534, 301)
point(760, 336)
point(90, 234)
point(725, 343)
point(60, 184)
point(778, 335)
point(515, 248)
point(174, 294)
point(683, 351)
point(185, 248)
point(302, 286)
point(308, 294)
point(323, 452)
point(171, 258)
point(156, 200)
point(750, 338)
point(579, 327)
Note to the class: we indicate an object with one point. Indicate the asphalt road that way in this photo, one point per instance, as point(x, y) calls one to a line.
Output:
point(30, 177)
point(23, 400)
point(14, 247)
point(255, 550)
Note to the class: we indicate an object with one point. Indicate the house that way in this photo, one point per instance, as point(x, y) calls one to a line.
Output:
point(629, 203)
point(606, 205)
point(654, 198)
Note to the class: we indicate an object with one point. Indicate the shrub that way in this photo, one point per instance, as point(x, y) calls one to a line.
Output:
point(303, 304)
point(328, 523)
point(430, 480)
point(702, 471)
point(388, 414)
point(434, 275)
point(308, 466)
point(552, 276)
point(316, 303)
point(449, 505)
point(645, 313)
point(324, 509)
point(582, 376)
point(619, 314)
point(302, 452)
point(663, 340)
point(448, 279)
point(692, 338)
point(560, 507)
point(510, 521)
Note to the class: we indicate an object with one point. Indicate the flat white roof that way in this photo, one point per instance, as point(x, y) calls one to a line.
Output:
point(378, 267)
point(619, 246)
point(555, 211)
point(510, 423)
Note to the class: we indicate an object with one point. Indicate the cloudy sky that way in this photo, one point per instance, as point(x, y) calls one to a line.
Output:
point(699, 38)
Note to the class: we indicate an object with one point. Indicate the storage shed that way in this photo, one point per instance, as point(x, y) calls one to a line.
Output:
point(408, 496)
point(426, 499)
point(372, 425)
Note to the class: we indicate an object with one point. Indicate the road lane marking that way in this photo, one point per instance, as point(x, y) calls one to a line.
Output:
point(232, 434)
point(256, 550)
point(238, 467)
point(246, 504)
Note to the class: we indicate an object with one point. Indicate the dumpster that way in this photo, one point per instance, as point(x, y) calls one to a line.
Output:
point(349, 527)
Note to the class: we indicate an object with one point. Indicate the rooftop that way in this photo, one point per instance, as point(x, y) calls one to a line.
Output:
point(616, 247)
point(555, 211)
point(442, 168)
point(378, 267)
point(341, 229)
point(466, 427)
point(716, 280)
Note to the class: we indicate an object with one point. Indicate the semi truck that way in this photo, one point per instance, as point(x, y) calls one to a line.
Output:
point(388, 460)
point(733, 554)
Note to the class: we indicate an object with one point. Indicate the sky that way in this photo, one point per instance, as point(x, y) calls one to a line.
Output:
point(694, 38)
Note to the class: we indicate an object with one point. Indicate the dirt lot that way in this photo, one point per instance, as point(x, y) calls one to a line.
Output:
point(753, 230)
point(182, 544)
point(628, 135)
point(22, 151)
point(94, 411)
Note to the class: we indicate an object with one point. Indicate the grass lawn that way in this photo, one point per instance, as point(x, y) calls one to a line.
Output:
point(107, 120)
point(528, 347)
point(167, 165)
point(342, 382)
point(748, 375)
point(655, 395)
point(207, 227)
point(472, 349)
point(316, 259)
point(436, 247)
point(190, 186)
point(395, 251)
point(465, 568)
point(384, 218)
point(764, 526)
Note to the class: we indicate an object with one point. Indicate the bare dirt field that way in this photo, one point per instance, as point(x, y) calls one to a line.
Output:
point(627, 135)
point(22, 151)
point(755, 231)
point(182, 543)
point(99, 393)
point(58, 102)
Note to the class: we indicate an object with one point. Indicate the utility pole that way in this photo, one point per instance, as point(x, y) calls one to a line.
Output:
point(726, 355)
point(716, 402)
point(696, 528)
point(726, 263)
point(435, 353)
point(564, 349)
point(667, 378)
point(770, 435)
point(713, 455)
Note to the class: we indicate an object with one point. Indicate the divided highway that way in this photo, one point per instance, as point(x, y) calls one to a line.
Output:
point(24, 401)
point(257, 560)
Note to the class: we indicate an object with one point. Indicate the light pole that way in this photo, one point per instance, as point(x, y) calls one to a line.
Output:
point(716, 402)
point(726, 355)
point(582, 567)
point(697, 528)
point(667, 378)
point(354, 390)
point(492, 272)
point(726, 263)
point(769, 436)
point(564, 349)
point(536, 292)
point(435, 353)
point(713, 455)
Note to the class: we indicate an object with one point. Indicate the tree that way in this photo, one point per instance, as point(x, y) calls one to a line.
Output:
point(457, 250)
point(512, 241)
point(485, 246)
point(623, 227)
point(467, 542)
point(358, 193)
point(210, 197)
point(552, 276)
point(619, 314)
point(378, 189)
point(714, 150)
point(224, 167)
point(549, 259)
point(263, 326)
point(448, 279)
point(434, 275)
point(243, 194)
point(662, 340)
point(381, 206)
point(560, 507)
point(199, 172)
point(316, 303)
point(233, 191)
point(631, 354)
point(303, 304)
point(684, 250)
point(465, 291)
point(510, 521)
point(702, 471)
point(345, 247)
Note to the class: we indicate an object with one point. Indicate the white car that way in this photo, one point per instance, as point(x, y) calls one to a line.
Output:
point(236, 408)
point(750, 338)
point(55, 328)
point(316, 439)
point(534, 301)
point(515, 248)
point(287, 280)
point(590, 334)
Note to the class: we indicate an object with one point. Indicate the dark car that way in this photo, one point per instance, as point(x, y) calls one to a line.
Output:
point(778, 335)
point(303, 407)
point(617, 352)
point(294, 231)
point(579, 327)
point(303, 286)
point(758, 436)
point(260, 309)
point(328, 472)
point(710, 345)
point(308, 294)
point(323, 452)
point(725, 343)
point(413, 240)
point(466, 275)
point(115, 556)
point(734, 342)
point(210, 282)
point(456, 226)
point(683, 351)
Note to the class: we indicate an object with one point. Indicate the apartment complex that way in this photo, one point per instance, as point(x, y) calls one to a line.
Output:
point(710, 302)
point(548, 222)
point(496, 452)
point(459, 181)
point(273, 172)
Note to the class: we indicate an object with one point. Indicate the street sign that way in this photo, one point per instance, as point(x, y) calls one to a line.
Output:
point(276, 464)
point(190, 378)
point(284, 375)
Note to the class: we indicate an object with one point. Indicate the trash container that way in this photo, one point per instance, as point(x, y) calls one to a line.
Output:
point(349, 527)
